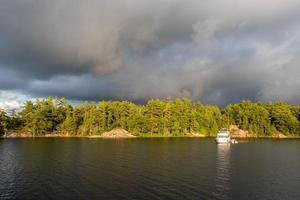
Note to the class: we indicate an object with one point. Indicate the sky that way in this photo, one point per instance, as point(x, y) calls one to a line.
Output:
point(217, 52)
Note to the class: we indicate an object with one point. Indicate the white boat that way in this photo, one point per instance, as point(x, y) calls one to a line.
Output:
point(223, 137)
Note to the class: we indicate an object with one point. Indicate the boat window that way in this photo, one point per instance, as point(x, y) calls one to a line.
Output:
point(222, 136)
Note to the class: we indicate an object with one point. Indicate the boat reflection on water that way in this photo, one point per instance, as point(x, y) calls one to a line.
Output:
point(223, 172)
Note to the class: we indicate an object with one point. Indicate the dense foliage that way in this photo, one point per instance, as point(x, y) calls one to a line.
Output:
point(3, 122)
point(157, 117)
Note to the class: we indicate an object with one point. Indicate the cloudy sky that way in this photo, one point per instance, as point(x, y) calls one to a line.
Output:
point(218, 52)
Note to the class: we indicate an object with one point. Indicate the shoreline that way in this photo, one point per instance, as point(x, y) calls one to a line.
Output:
point(145, 137)
point(119, 133)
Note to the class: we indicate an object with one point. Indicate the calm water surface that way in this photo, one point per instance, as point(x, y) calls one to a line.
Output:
point(148, 169)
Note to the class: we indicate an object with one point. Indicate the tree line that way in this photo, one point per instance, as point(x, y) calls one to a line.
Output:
point(157, 117)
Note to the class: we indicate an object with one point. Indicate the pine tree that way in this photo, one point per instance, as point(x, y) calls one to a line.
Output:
point(3, 123)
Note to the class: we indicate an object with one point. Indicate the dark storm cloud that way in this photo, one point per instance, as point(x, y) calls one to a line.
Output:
point(217, 52)
point(10, 79)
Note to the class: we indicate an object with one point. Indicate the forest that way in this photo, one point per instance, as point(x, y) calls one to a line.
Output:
point(166, 117)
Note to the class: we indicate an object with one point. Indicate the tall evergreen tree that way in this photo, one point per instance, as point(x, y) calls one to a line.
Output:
point(3, 122)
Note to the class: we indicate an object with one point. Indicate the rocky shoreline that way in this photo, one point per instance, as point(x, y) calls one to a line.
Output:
point(122, 133)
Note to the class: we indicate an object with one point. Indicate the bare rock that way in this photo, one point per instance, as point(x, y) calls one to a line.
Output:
point(118, 133)
point(18, 134)
point(236, 132)
point(195, 134)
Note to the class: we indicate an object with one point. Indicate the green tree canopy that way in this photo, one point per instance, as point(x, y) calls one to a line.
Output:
point(157, 117)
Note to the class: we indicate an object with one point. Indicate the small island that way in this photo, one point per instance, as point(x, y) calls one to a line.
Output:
point(55, 117)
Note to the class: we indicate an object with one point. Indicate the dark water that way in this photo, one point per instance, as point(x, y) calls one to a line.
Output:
point(148, 169)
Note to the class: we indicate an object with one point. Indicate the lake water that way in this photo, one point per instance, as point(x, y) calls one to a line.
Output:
point(148, 169)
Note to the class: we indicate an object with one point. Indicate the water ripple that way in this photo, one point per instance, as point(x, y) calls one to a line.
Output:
point(147, 169)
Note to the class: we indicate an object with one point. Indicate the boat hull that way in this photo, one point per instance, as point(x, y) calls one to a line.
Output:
point(222, 141)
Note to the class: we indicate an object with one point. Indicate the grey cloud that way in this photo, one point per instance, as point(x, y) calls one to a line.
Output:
point(217, 52)
point(11, 79)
